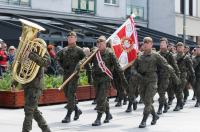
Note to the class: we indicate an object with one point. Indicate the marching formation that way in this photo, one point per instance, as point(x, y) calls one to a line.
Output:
point(171, 71)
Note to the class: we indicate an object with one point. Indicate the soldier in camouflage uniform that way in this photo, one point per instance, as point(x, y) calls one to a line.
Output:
point(121, 92)
point(196, 65)
point(145, 67)
point(102, 81)
point(32, 92)
point(163, 76)
point(189, 77)
point(170, 90)
point(68, 58)
point(185, 64)
point(133, 82)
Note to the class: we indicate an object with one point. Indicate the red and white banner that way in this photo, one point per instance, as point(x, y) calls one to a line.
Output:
point(125, 42)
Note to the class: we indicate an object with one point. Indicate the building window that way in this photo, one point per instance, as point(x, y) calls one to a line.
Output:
point(182, 6)
point(84, 6)
point(111, 2)
point(16, 2)
point(136, 10)
point(191, 9)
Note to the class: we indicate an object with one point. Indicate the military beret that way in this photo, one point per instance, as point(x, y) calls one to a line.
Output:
point(72, 33)
point(147, 40)
point(186, 46)
point(101, 38)
point(164, 39)
point(171, 44)
point(180, 44)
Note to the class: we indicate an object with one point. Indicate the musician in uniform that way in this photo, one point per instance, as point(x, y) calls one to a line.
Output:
point(32, 92)
point(68, 58)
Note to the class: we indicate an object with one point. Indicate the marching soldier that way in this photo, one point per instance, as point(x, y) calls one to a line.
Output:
point(170, 90)
point(32, 92)
point(164, 77)
point(145, 67)
point(185, 64)
point(196, 65)
point(68, 58)
point(133, 82)
point(189, 77)
point(103, 65)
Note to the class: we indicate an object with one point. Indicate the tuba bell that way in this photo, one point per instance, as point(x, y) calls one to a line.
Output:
point(24, 70)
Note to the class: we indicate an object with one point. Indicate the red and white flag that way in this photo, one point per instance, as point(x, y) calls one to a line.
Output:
point(124, 42)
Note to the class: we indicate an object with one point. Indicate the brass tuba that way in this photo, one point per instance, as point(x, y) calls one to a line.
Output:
point(24, 70)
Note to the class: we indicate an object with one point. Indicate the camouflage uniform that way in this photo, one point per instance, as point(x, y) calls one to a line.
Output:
point(185, 64)
point(32, 92)
point(145, 67)
point(196, 65)
point(164, 80)
point(102, 83)
point(68, 58)
point(120, 90)
point(132, 90)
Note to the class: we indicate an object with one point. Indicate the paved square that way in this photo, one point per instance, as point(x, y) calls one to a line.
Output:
point(187, 120)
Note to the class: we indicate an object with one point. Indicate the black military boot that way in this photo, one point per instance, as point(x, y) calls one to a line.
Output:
point(141, 101)
point(166, 108)
point(143, 123)
point(78, 112)
point(185, 99)
point(197, 104)
point(170, 101)
point(155, 117)
point(125, 101)
point(97, 122)
point(94, 102)
point(117, 99)
point(67, 118)
point(129, 108)
point(178, 107)
point(119, 103)
point(181, 104)
point(108, 117)
point(194, 97)
point(159, 112)
point(135, 105)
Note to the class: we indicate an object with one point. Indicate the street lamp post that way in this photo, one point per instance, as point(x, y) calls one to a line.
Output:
point(184, 22)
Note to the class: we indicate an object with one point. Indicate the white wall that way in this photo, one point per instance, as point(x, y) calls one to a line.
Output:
point(177, 6)
point(192, 25)
point(52, 5)
point(162, 15)
point(113, 11)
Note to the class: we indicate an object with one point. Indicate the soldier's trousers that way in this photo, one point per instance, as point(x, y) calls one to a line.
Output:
point(119, 88)
point(179, 89)
point(70, 93)
point(31, 96)
point(147, 92)
point(133, 88)
point(170, 89)
point(163, 84)
point(102, 85)
point(197, 88)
